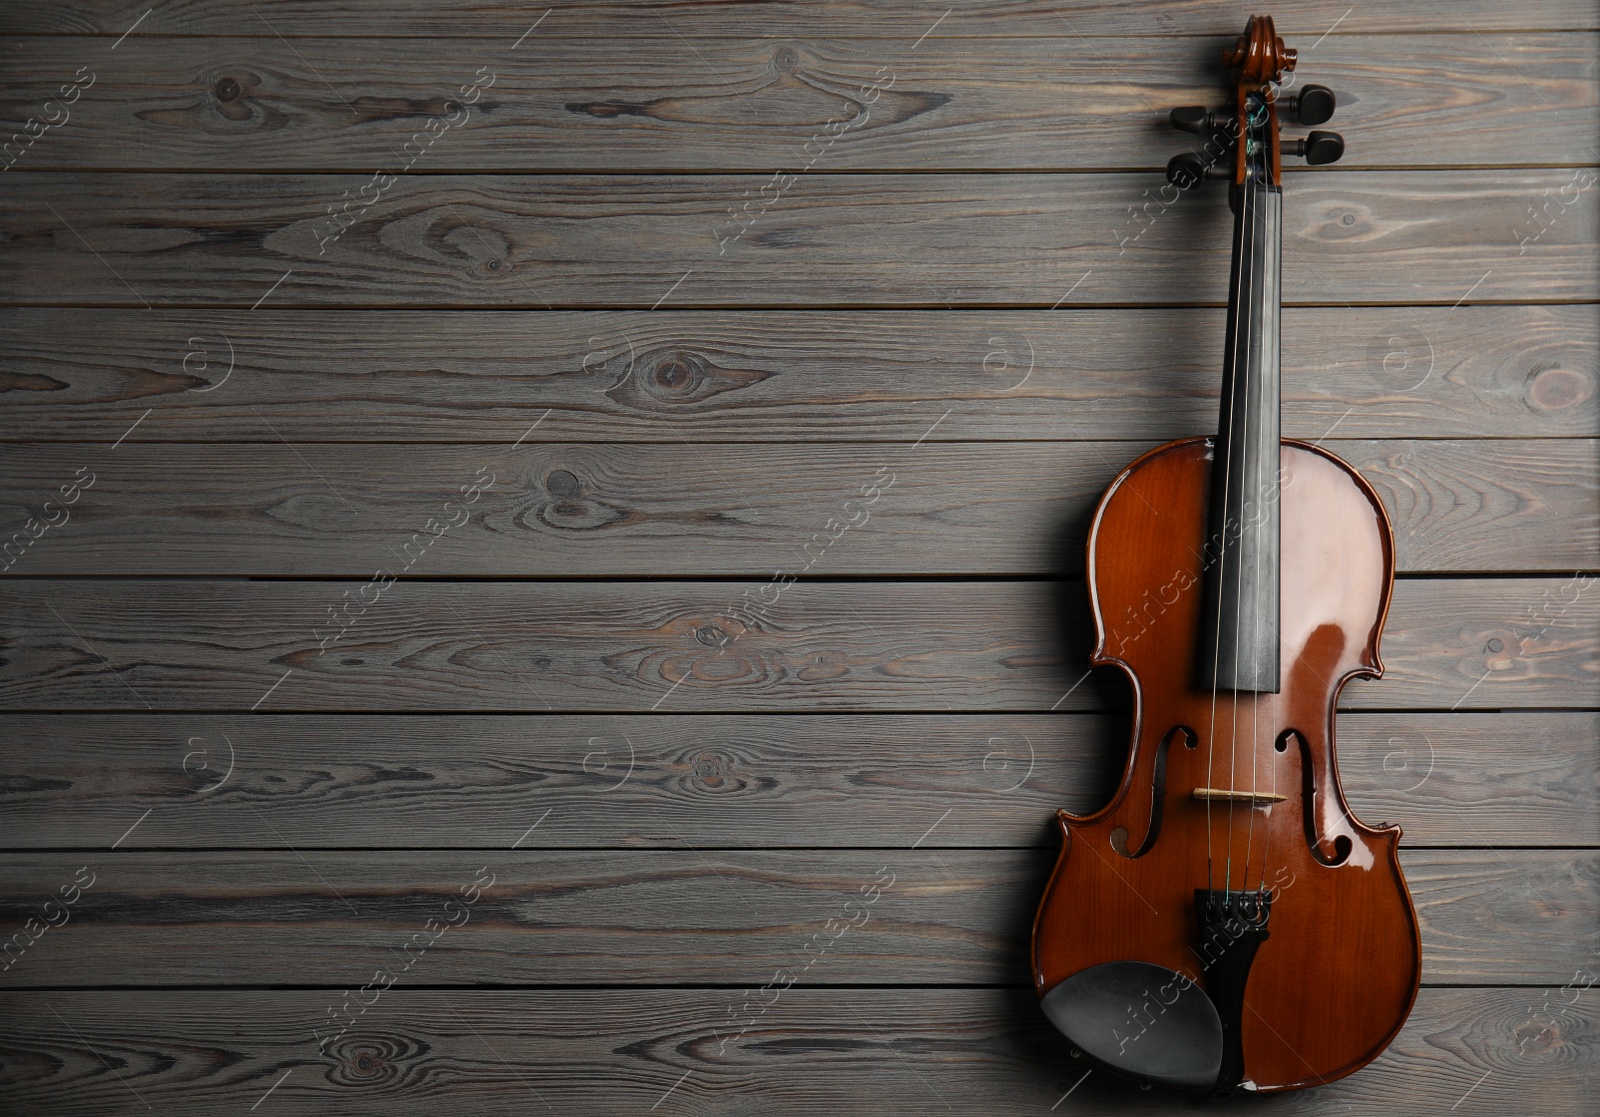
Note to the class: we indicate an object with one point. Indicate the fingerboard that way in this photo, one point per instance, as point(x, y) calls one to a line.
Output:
point(1239, 636)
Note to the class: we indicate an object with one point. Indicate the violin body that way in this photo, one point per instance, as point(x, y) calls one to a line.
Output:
point(1338, 969)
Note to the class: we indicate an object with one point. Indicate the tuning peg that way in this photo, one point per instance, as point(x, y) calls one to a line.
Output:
point(1317, 148)
point(1188, 170)
point(1197, 119)
point(1313, 105)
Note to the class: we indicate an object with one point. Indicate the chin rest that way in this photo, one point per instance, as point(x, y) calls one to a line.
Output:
point(1143, 1020)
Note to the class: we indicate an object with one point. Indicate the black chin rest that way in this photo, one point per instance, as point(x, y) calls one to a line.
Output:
point(1143, 1020)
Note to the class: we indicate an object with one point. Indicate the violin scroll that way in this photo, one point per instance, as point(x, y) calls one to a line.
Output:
point(1259, 55)
point(1259, 60)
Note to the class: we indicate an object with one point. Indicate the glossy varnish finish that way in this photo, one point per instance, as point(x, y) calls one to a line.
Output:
point(1337, 976)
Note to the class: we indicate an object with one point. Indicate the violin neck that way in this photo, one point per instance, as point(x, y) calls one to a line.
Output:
point(1242, 562)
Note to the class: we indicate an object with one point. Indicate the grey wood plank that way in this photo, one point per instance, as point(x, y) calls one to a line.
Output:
point(1376, 372)
point(624, 18)
point(681, 509)
point(756, 104)
point(682, 647)
point(649, 916)
point(812, 1051)
point(1380, 237)
point(596, 781)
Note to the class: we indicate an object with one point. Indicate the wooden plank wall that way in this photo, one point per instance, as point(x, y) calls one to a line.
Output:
point(577, 321)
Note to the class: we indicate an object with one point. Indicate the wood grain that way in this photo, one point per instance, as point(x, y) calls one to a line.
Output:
point(676, 509)
point(690, 646)
point(671, 916)
point(816, 781)
point(832, 241)
point(665, 103)
point(655, 849)
point(1377, 372)
point(903, 1051)
point(624, 18)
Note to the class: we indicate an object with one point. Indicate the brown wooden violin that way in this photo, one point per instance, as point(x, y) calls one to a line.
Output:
point(1225, 921)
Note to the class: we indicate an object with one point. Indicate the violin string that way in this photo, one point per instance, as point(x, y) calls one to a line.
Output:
point(1237, 440)
point(1276, 483)
point(1255, 589)
point(1244, 328)
point(1221, 457)
point(1276, 486)
point(1273, 466)
point(1267, 454)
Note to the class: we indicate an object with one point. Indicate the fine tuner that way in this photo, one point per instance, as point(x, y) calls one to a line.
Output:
point(1311, 106)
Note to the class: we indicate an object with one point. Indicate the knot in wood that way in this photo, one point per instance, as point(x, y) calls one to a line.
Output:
point(1550, 389)
point(1499, 654)
point(367, 1064)
point(717, 772)
point(369, 1060)
point(678, 377)
point(226, 89)
point(677, 374)
point(711, 636)
point(1538, 1037)
point(786, 60)
point(562, 485)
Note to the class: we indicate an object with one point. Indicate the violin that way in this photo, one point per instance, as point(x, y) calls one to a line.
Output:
point(1226, 922)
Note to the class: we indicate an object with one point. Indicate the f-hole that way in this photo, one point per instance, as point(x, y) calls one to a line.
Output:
point(1158, 785)
point(1342, 845)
